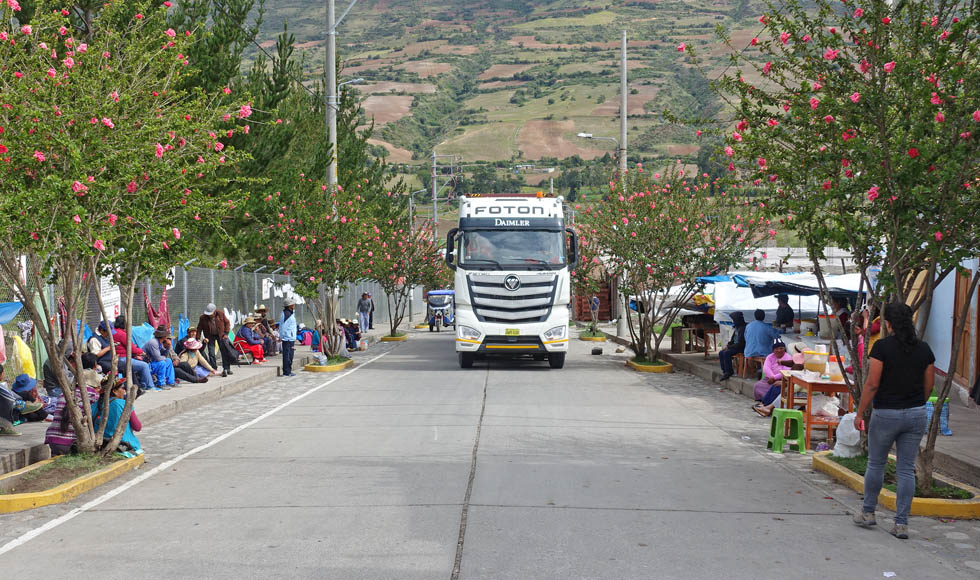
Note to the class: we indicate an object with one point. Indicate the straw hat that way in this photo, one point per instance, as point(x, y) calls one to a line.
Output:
point(249, 320)
point(261, 308)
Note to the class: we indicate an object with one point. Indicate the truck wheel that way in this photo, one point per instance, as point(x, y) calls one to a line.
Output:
point(556, 360)
point(466, 360)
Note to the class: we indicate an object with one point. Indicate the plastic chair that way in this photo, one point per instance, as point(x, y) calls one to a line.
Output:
point(781, 419)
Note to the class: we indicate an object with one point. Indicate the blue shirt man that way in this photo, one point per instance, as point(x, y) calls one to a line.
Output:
point(759, 336)
point(287, 333)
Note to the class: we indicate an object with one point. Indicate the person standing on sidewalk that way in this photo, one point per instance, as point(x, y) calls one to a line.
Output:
point(364, 306)
point(287, 333)
point(371, 315)
point(900, 379)
point(213, 328)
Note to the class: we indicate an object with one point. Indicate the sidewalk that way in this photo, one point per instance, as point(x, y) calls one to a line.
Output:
point(957, 455)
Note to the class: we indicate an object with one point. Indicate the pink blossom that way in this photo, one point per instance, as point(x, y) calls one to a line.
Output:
point(784, 37)
point(976, 115)
point(886, 20)
point(729, 151)
point(139, 17)
point(159, 151)
point(83, 48)
point(814, 102)
point(99, 245)
point(766, 68)
point(940, 117)
point(26, 29)
point(170, 32)
point(761, 162)
point(806, 38)
point(754, 42)
point(131, 187)
point(830, 54)
point(681, 47)
point(39, 156)
point(889, 66)
point(245, 112)
point(936, 99)
point(3, 35)
point(68, 62)
point(858, 13)
point(227, 90)
point(112, 219)
point(737, 136)
point(913, 152)
point(176, 233)
point(828, 119)
point(939, 236)
point(14, 5)
point(223, 263)
point(62, 31)
point(855, 97)
point(78, 187)
point(246, 129)
point(76, 218)
point(816, 86)
point(772, 122)
point(108, 122)
point(18, 74)
point(873, 193)
point(219, 146)
point(772, 233)
point(52, 73)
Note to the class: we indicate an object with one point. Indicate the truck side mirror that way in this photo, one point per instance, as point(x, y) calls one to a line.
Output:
point(450, 246)
point(573, 249)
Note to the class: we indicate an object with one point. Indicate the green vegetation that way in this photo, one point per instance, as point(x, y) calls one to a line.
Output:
point(643, 361)
point(60, 471)
point(860, 464)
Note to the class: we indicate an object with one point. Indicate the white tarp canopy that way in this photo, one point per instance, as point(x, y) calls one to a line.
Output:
point(729, 298)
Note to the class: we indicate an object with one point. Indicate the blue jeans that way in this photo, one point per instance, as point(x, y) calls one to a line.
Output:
point(287, 357)
point(725, 357)
point(163, 372)
point(141, 372)
point(904, 428)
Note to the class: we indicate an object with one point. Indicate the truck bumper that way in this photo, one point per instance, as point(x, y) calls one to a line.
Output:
point(495, 339)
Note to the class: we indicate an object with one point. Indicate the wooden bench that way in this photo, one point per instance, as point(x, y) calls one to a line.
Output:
point(750, 365)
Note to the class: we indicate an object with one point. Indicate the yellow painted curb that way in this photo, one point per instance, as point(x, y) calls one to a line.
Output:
point(593, 338)
point(667, 368)
point(16, 502)
point(963, 509)
point(421, 326)
point(395, 338)
point(329, 368)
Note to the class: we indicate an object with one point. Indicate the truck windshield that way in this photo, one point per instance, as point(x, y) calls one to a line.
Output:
point(496, 249)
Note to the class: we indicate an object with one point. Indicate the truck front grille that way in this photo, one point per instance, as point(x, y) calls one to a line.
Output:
point(531, 302)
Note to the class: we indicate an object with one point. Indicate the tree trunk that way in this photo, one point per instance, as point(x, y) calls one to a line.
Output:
point(131, 390)
point(113, 367)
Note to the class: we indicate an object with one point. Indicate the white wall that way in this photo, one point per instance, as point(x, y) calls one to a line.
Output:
point(939, 332)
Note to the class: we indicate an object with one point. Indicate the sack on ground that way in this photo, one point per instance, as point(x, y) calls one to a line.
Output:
point(848, 438)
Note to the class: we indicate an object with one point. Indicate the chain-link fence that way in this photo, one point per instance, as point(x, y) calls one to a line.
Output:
point(237, 292)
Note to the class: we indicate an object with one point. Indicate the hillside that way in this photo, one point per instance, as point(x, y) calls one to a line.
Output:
point(515, 81)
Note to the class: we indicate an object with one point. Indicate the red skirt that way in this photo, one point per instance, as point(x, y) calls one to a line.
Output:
point(258, 353)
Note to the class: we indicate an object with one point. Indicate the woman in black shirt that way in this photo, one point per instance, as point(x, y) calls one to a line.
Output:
point(900, 379)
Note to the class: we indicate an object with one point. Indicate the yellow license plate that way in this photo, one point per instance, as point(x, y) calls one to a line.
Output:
point(512, 332)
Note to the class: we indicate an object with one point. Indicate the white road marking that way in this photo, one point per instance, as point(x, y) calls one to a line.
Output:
point(30, 535)
point(435, 433)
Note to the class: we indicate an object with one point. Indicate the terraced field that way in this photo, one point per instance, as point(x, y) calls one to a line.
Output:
point(517, 80)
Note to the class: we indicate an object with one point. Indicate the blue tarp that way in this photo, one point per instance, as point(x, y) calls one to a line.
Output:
point(8, 310)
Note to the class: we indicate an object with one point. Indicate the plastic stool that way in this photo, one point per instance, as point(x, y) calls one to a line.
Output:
point(944, 414)
point(777, 429)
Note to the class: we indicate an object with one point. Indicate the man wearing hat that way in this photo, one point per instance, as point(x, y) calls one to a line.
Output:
point(250, 340)
point(11, 406)
point(264, 327)
point(287, 333)
point(784, 314)
point(212, 329)
point(364, 306)
point(157, 351)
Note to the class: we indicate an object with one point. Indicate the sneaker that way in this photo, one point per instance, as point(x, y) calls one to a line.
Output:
point(30, 407)
point(864, 520)
point(9, 431)
point(165, 387)
point(900, 531)
point(229, 372)
point(291, 375)
point(725, 377)
point(154, 389)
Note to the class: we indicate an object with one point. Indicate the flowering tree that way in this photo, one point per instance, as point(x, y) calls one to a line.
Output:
point(318, 238)
point(862, 126)
point(656, 236)
point(399, 260)
point(103, 161)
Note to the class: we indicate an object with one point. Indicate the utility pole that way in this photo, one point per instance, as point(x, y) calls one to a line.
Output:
point(623, 110)
point(331, 88)
point(435, 201)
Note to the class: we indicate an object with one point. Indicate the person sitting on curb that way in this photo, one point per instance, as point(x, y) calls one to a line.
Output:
point(768, 390)
point(101, 346)
point(158, 355)
point(25, 388)
point(11, 407)
point(60, 435)
point(759, 336)
point(250, 341)
point(736, 345)
point(141, 370)
point(193, 360)
point(129, 445)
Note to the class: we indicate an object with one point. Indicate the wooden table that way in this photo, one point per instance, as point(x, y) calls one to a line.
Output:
point(811, 387)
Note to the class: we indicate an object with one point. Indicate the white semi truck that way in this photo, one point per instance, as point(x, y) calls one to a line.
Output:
point(512, 256)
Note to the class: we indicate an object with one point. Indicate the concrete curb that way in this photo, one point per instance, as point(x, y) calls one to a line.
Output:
point(662, 369)
point(17, 502)
point(311, 368)
point(593, 338)
point(964, 509)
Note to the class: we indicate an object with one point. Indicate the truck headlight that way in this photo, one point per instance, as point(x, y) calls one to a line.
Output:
point(468, 333)
point(556, 333)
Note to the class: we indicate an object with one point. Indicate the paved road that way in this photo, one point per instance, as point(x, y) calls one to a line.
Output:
point(411, 468)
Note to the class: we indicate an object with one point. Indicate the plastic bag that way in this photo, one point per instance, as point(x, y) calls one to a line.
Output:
point(362, 345)
point(22, 359)
point(848, 438)
point(824, 406)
